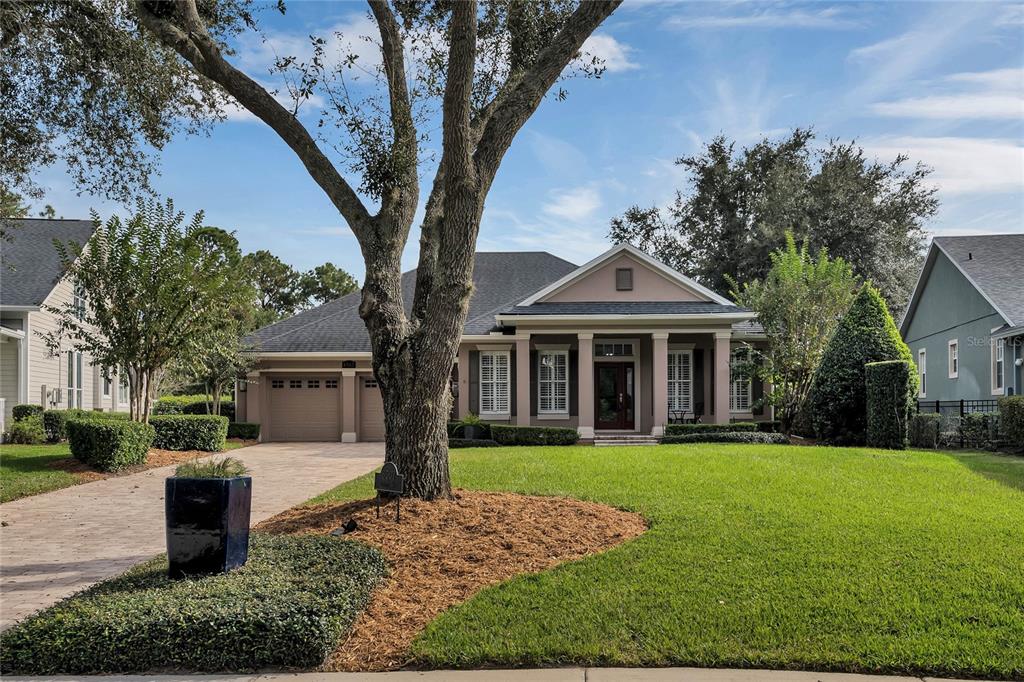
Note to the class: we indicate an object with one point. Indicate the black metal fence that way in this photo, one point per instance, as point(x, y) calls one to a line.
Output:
point(957, 408)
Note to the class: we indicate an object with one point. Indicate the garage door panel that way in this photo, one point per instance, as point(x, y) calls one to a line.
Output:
point(371, 412)
point(305, 408)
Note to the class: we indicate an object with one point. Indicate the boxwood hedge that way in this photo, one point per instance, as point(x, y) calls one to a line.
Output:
point(891, 388)
point(533, 435)
point(244, 430)
point(728, 437)
point(19, 412)
point(1011, 420)
point(288, 607)
point(109, 444)
point(680, 429)
point(924, 430)
point(454, 443)
point(55, 421)
point(205, 432)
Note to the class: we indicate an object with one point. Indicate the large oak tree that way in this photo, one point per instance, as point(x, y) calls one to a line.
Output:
point(96, 83)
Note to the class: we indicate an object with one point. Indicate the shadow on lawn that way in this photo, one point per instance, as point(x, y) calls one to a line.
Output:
point(34, 463)
point(1002, 468)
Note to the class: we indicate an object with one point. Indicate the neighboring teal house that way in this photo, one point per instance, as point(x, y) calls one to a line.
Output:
point(965, 320)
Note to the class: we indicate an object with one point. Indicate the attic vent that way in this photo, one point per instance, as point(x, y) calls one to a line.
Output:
point(624, 279)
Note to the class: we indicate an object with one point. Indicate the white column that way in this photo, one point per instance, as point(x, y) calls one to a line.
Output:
point(585, 386)
point(659, 376)
point(523, 379)
point(722, 350)
point(23, 370)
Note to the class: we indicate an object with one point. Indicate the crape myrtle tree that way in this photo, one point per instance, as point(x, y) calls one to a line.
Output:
point(156, 290)
point(96, 83)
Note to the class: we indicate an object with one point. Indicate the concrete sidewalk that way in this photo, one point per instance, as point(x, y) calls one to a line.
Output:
point(531, 675)
point(57, 543)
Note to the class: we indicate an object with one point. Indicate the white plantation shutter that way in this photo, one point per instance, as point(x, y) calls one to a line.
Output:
point(553, 381)
point(739, 386)
point(494, 382)
point(680, 381)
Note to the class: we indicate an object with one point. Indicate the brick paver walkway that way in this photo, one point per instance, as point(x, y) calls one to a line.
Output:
point(57, 543)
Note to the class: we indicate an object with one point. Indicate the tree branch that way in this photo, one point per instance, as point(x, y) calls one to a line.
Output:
point(194, 44)
point(524, 99)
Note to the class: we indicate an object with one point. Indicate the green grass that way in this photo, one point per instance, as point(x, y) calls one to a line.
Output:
point(759, 556)
point(25, 470)
point(287, 607)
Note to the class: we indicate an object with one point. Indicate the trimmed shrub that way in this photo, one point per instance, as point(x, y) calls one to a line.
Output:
point(227, 409)
point(533, 435)
point(838, 398)
point(1011, 420)
point(54, 421)
point(26, 431)
point(19, 412)
point(109, 444)
point(774, 426)
point(455, 429)
point(890, 387)
point(977, 429)
point(205, 432)
point(728, 437)
point(924, 430)
point(175, 404)
point(288, 607)
point(681, 429)
point(244, 430)
point(454, 443)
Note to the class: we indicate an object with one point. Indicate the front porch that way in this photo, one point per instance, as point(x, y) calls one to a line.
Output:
point(608, 381)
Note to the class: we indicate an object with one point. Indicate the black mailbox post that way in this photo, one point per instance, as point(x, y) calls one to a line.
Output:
point(389, 483)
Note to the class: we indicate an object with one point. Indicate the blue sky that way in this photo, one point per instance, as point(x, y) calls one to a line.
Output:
point(943, 82)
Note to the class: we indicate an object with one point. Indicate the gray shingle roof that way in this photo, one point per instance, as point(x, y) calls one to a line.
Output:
point(29, 265)
point(996, 264)
point(500, 280)
point(625, 308)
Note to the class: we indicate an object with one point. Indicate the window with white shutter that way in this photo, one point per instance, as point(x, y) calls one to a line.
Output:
point(553, 381)
point(680, 381)
point(494, 383)
point(739, 383)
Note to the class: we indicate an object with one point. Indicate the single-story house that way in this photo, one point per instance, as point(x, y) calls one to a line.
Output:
point(620, 345)
point(31, 278)
point(964, 323)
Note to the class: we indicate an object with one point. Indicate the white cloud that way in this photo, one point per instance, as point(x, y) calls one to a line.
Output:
point(576, 205)
point(962, 165)
point(504, 229)
point(615, 55)
point(829, 17)
point(985, 95)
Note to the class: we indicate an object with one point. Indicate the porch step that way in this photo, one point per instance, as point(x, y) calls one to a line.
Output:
point(609, 439)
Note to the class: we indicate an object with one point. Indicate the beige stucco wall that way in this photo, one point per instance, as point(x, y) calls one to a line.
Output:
point(599, 285)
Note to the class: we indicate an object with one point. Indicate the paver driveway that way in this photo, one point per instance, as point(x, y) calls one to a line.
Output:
point(57, 543)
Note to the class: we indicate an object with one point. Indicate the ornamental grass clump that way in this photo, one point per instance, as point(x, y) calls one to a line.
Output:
point(229, 467)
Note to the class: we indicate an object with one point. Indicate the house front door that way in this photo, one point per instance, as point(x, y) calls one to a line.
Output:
point(614, 395)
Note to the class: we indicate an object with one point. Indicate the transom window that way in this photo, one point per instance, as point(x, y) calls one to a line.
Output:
point(553, 381)
point(494, 382)
point(295, 383)
point(739, 383)
point(613, 349)
point(313, 383)
point(277, 383)
point(922, 372)
point(680, 381)
point(954, 359)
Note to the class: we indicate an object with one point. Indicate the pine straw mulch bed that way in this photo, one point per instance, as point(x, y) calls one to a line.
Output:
point(154, 458)
point(443, 552)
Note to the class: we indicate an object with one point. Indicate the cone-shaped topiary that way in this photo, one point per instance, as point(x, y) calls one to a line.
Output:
point(838, 399)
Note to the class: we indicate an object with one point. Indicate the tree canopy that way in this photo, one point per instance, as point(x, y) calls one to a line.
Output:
point(739, 204)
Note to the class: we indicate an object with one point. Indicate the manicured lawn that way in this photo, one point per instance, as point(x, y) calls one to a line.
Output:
point(759, 556)
point(25, 470)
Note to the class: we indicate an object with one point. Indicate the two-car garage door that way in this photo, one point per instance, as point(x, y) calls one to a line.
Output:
point(305, 408)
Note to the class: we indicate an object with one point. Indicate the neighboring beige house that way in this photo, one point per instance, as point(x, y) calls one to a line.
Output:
point(620, 346)
point(31, 278)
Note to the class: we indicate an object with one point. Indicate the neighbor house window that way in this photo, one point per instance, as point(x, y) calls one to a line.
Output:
point(922, 372)
point(553, 381)
point(998, 365)
point(78, 301)
point(122, 390)
point(739, 384)
point(680, 381)
point(954, 359)
point(74, 380)
point(624, 279)
point(494, 382)
point(106, 384)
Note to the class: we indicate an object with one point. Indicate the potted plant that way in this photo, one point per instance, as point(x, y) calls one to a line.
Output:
point(207, 507)
point(472, 426)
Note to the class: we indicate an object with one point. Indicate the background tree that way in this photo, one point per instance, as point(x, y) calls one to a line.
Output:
point(156, 292)
point(12, 205)
point(278, 286)
point(99, 84)
point(799, 303)
point(838, 400)
point(737, 208)
point(326, 283)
